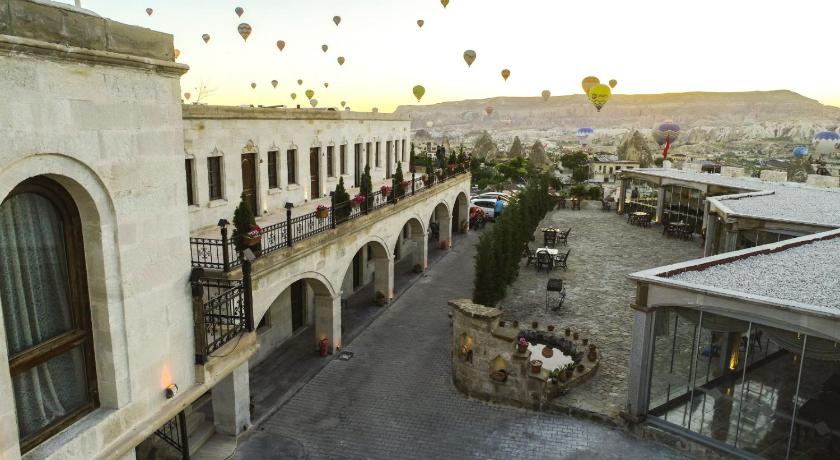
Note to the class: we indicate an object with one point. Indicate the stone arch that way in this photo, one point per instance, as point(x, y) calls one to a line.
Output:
point(461, 213)
point(412, 236)
point(317, 281)
point(381, 255)
point(102, 260)
point(440, 223)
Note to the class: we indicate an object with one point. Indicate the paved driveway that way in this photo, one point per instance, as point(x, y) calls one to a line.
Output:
point(395, 398)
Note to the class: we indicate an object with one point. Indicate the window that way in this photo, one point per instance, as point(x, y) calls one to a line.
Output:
point(402, 154)
point(291, 161)
point(188, 166)
point(368, 150)
point(214, 176)
point(378, 145)
point(272, 170)
point(43, 290)
point(330, 161)
point(342, 159)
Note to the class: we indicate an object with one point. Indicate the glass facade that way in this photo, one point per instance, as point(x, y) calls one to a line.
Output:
point(640, 196)
point(745, 384)
point(683, 204)
point(753, 238)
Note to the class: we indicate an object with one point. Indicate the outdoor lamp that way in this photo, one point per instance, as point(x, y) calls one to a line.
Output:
point(288, 205)
point(223, 223)
point(171, 391)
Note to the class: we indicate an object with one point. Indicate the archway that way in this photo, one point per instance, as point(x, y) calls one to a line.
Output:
point(440, 226)
point(371, 262)
point(461, 214)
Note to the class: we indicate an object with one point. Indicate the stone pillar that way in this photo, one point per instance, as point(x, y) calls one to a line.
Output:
point(130, 455)
point(328, 320)
point(231, 399)
point(622, 195)
point(711, 234)
point(384, 276)
point(638, 383)
point(660, 203)
point(445, 232)
point(420, 252)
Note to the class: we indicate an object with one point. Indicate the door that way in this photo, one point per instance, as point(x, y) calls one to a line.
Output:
point(298, 295)
point(357, 270)
point(357, 165)
point(315, 172)
point(249, 180)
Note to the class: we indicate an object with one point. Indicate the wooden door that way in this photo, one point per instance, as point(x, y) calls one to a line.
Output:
point(298, 295)
point(315, 172)
point(249, 181)
point(357, 165)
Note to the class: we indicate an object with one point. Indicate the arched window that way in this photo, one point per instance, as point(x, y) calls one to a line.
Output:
point(46, 311)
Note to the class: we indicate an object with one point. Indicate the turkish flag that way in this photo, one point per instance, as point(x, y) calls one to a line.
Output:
point(667, 147)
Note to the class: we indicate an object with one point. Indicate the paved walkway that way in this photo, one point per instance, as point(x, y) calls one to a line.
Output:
point(395, 398)
point(605, 249)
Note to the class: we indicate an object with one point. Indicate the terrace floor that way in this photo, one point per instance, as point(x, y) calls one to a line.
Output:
point(605, 248)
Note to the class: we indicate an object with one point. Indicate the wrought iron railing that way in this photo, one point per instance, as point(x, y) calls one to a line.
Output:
point(223, 309)
point(174, 432)
point(221, 254)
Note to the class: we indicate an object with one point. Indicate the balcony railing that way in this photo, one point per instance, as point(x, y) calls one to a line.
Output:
point(174, 432)
point(223, 309)
point(221, 254)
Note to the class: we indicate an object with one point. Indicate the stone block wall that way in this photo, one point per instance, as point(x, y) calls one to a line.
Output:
point(774, 176)
point(731, 171)
point(822, 181)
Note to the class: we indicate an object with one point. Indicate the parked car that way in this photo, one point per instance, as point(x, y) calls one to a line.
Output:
point(493, 195)
point(488, 205)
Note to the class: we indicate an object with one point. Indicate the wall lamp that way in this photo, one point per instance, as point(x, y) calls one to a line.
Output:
point(171, 391)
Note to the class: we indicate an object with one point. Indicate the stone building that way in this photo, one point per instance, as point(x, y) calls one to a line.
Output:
point(112, 191)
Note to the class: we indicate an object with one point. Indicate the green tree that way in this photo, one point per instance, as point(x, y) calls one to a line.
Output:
point(580, 174)
point(574, 160)
point(398, 180)
point(412, 161)
point(342, 199)
point(366, 187)
point(515, 148)
point(243, 219)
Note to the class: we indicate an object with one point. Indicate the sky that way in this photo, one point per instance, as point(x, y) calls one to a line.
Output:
point(648, 46)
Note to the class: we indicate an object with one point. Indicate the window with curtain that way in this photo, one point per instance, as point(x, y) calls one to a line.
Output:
point(272, 170)
point(291, 163)
point(43, 291)
point(214, 176)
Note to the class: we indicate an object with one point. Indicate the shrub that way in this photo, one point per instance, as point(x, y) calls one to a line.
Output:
point(596, 193)
point(398, 180)
point(243, 221)
point(342, 210)
point(578, 191)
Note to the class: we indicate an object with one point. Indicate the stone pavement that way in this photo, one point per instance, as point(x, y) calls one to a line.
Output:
point(395, 398)
point(604, 250)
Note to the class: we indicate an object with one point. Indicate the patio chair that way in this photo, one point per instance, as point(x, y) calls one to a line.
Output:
point(555, 285)
point(563, 237)
point(561, 260)
point(562, 202)
point(544, 259)
point(550, 239)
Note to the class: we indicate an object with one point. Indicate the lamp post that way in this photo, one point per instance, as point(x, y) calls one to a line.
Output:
point(223, 223)
point(289, 207)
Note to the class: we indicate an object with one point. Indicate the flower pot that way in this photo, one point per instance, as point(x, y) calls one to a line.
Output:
point(322, 213)
point(569, 373)
point(355, 204)
point(592, 356)
point(580, 368)
point(551, 328)
point(547, 352)
point(516, 324)
point(534, 325)
point(585, 342)
point(575, 335)
point(568, 332)
point(591, 347)
point(536, 366)
point(251, 241)
point(521, 348)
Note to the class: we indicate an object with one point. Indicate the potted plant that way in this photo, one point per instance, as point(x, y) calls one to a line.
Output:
point(515, 323)
point(322, 211)
point(534, 324)
point(385, 190)
point(522, 345)
point(357, 200)
point(547, 352)
point(580, 368)
point(575, 335)
point(585, 342)
point(536, 366)
point(246, 232)
point(381, 299)
point(418, 268)
point(568, 332)
point(550, 328)
point(569, 371)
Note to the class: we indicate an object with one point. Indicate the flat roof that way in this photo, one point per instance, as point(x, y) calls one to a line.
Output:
point(801, 274)
point(778, 201)
point(225, 112)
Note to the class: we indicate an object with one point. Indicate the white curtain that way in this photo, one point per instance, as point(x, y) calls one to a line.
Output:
point(34, 294)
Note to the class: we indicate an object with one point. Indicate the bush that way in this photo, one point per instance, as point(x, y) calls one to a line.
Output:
point(366, 187)
point(341, 196)
point(596, 193)
point(243, 220)
point(578, 191)
point(398, 179)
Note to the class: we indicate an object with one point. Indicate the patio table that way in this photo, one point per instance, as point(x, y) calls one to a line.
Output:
point(551, 251)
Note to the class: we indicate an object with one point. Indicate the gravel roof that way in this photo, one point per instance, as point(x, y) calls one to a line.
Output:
point(807, 274)
point(789, 201)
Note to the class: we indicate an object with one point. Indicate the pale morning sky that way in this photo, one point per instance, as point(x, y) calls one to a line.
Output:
point(649, 46)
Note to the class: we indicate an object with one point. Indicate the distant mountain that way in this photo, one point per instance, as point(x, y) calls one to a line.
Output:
point(705, 117)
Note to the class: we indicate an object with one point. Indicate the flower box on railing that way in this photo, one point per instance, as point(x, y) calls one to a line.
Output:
point(357, 200)
point(322, 211)
point(253, 237)
point(385, 190)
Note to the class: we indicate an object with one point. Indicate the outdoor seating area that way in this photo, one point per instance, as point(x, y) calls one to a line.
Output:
point(640, 218)
point(548, 256)
point(680, 230)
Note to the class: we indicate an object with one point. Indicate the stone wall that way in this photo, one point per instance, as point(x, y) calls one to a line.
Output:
point(774, 176)
point(822, 181)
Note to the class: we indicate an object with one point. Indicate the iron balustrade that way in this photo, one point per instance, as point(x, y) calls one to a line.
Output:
point(221, 254)
point(174, 432)
point(223, 310)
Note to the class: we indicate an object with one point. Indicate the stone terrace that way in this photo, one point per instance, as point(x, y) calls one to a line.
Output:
point(604, 250)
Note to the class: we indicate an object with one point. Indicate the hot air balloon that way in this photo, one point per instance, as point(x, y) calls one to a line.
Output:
point(583, 135)
point(505, 74)
point(469, 57)
point(244, 30)
point(313, 102)
point(800, 151)
point(666, 134)
point(187, 96)
point(253, 85)
point(340, 60)
point(149, 11)
point(588, 83)
point(337, 20)
point(613, 83)
point(546, 94)
point(177, 53)
point(309, 94)
point(293, 96)
point(281, 45)
point(239, 11)
point(343, 103)
point(599, 95)
point(326, 85)
point(206, 38)
point(420, 23)
point(375, 110)
point(300, 82)
point(444, 3)
point(826, 142)
point(488, 110)
point(419, 91)
point(274, 83)
point(324, 48)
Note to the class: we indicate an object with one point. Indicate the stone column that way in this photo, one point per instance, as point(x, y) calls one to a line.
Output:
point(711, 233)
point(420, 252)
point(328, 320)
point(638, 383)
point(231, 399)
point(445, 232)
point(622, 195)
point(384, 276)
point(660, 203)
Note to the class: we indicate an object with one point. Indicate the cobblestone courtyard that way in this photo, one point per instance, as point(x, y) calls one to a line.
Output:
point(604, 250)
point(395, 398)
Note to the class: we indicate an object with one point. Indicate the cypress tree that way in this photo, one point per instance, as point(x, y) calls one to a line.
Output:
point(398, 179)
point(341, 200)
